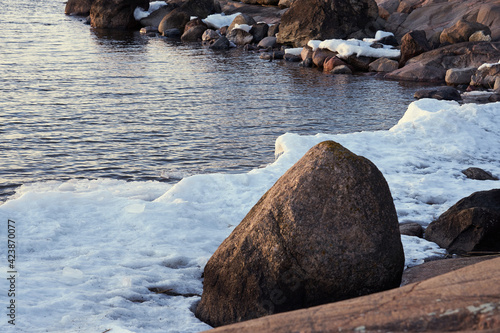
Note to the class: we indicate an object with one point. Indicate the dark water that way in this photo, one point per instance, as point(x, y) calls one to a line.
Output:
point(80, 103)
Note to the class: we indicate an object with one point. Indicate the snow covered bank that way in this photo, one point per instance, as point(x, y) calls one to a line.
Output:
point(89, 252)
point(346, 48)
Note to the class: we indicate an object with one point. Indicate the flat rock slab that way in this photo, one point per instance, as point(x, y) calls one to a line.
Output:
point(467, 299)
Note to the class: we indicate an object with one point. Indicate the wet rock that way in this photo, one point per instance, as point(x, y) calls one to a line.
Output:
point(342, 69)
point(242, 19)
point(494, 98)
point(332, 62)
point(413, 44)
point(383, 65)
point(459, 76)
point(292, 57)
point(441, 93)
point(461, 31)
point(194, 33)
point(221, 43)
point(306, 53)
point(411, 229)
point(432, 66)
point(172, 33)
point(115, 14)
point(176, 19)
point(78, 7)
point(326, 231)
point(463, 300)
point(389, 40)
point(360, 63)
point(273, 30)
point(308, 62)
point(478, 174)
point(320, 55)
point(472, 224)
point(318, 19)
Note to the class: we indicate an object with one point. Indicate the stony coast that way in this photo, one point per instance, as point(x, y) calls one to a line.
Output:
point(457, 49)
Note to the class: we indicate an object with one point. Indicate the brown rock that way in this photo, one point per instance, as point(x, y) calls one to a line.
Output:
point(115, 14)
point(432, 66)
point(383, 65)
point(489, 15)
point(307, 52)
point(472, 224)
point(320, 55)
point(199, 8)
point(194, 33)
point(461, 31)
point(441, 93)
point(464, 300)
point(176, 19)
point(479, 36)
point(332, 62)
point(486, 76)
point(78, 7)
point(438, 267)
point(239, 37)
point(262, 2)
point(342, 69)
point(413, 44)
point(326, 231)
point(360, 63)
point(318, 19)
point(241, 19)
point(259, 31)
point(154, 19)
point(458, 76)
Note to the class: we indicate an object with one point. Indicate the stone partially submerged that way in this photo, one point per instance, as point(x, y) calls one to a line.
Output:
point(326, 231)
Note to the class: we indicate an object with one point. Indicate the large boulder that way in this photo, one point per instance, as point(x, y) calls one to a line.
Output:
point(463, 300)
point(432, 66)
point(472, 224)
point(78, 7)
point(326, 231)
point(115, 14)
point(461, 32)
point(155, 18)
point(176, 19)
point(325, 19)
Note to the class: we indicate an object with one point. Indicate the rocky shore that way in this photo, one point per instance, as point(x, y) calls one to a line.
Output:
point(448, 47)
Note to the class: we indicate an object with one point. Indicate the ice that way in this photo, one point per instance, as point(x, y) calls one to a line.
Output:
point(140, 13)
point(295, 51)
point(244, 27)
point(346, 48)
point(217, 21)
point(97, 255)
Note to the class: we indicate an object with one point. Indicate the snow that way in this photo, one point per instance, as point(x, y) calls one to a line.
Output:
point(91, 254)
point(484, 66)
point(378, 36)
point(244, 27)
point(295, 51)
point(346, 48)
point(217, 21)
point(140, 13)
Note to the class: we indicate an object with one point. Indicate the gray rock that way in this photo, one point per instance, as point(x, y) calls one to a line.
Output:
point(461, 31)
point(411, 229)
point(176, 19)
point(239, 37)
point(342, 69)
point(326, 231)
point(221, 43)
point(478, 174)
point(259, 31)
point(413, 44)
point(241, 19)
point(273, 30)
point(486, 76)
point(472, 224)
point(441, 93)
point(458, 76)
point(267, 42)
point(154, 19)
point(193, 34)
point(209, 35)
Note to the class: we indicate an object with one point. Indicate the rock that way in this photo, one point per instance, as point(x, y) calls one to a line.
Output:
point(78, 7)
point(411, 229)
point(320, 55)
point(194, 34)
point(267, 43)
point(221, 43)
point(441, 93)
point(342, 69)
point(115, 14)
point(479, 36)
point(464, 300)
point(389, 40)
point(461, 31)
point(383, 65)
point(308, 62)
point(478, 174)
point(259, 31)
point(172, 33)
point(434, 268)
point(472, 224)
point(432, 66)
point(292, 57)
point(489, 15)
point(306, 53)
point(407, 6)
point(273, 30)
point(486, 76)
point(239, 37)
point(395, 21)
point(318, 19)
point(199, 8)
point(285, 3)
point(241, 19)
point(332, 62)
point(149, 30)
point(496, 86)
point(261, 2)
point(389, 6)
point(494, 98)
point(413, 44)
point(326, 231)
point(459, 76)
point(154, 19)
point(360, 63)
point(176, 19)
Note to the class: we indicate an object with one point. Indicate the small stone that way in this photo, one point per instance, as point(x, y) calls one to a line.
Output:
point(411, 229)
point(383, 65)
point(478, 174)
point(267, 42)
point(458, 76)
point(441, 93)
